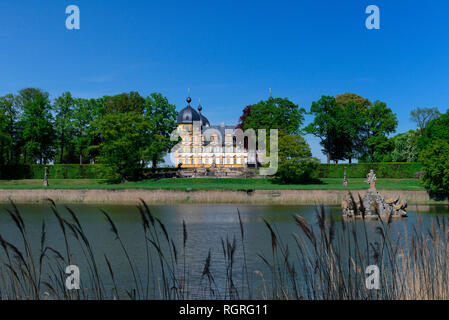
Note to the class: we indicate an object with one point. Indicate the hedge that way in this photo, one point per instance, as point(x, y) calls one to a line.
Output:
point(98, 171)
point(58, 171)
point(394, 170)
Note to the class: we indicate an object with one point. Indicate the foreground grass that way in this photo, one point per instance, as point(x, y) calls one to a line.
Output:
point(211, 184)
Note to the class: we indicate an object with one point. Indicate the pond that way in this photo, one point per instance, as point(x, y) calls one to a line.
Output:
point(207, 226)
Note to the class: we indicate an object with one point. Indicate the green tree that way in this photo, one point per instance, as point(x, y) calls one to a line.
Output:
point(63, 107)
point(326, 127)
point(9, 132)
point(5, 140)
point(380, 121)
point(275, 113)
point(435, 130)
point(422, 116)
point(352, 98)
point(352, 120)
point(435, 161)
point(296, 164)
point(124, 102)
point(162, 115)
point(36, 125)
point(125, 135)
point(85, 111)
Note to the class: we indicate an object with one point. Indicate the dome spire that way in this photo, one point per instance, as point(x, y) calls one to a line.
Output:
point(199, 111)
point(200, 107)
point(188, 97)
point(271, 96)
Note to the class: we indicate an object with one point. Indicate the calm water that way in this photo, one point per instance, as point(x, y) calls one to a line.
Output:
point(207, 225)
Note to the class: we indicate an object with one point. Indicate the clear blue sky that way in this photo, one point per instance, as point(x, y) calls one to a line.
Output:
point(230, 52)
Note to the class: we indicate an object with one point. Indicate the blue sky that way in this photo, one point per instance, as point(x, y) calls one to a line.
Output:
point(230, 52)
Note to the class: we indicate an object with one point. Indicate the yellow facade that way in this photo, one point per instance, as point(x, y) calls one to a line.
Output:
point(195, 151)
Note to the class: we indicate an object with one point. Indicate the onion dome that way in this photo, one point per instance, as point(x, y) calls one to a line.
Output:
point(188, 114)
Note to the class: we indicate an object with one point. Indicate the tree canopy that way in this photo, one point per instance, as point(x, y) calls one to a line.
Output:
point(114, 130)
point(162, 115)
point(326, 126)
point(274, 113)
point(35, 125)
point(436, 129)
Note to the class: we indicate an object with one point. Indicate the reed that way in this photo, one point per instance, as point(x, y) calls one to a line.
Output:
point(327, 261)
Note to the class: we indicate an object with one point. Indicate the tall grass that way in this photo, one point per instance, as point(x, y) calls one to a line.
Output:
point(325, 260)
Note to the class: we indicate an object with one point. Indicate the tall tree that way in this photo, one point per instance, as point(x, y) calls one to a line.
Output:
point(63, 107)
point(36, 125)
point(11, 139)
point(125, 135)
point(85, 111)
point(422, 116)
point(380, 121)
point(437, 129)
point(5, 140)
point(325, 125)
point(274, 113)
point(162, 115)
point(353, 109)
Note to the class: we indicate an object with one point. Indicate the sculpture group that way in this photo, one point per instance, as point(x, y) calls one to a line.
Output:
point(373, 205)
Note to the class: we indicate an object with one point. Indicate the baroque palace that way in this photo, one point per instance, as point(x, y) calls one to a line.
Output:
point(204, 145)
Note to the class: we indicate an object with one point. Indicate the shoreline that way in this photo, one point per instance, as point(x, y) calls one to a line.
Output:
point(133, 196)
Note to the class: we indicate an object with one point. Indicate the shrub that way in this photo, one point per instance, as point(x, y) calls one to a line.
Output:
point(296, 164)
point(435, 160)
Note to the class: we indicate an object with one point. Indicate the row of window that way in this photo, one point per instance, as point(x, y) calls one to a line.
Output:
point(208, 149)
point(209, 161)
point(228, 138)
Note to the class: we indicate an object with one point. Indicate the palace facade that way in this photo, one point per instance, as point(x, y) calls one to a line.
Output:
point(204, 145)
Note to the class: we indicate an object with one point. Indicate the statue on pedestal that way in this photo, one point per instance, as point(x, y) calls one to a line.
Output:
point(345, 179)
point(373, 204)
point(46, 184)
point(371, 180)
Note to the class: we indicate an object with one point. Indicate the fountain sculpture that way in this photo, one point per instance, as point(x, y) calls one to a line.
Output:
point(373, 205)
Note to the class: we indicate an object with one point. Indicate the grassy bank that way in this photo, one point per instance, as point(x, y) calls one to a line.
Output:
point(212, 184)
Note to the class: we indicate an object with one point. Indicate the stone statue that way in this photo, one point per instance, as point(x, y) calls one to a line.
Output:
point(371, 180)
point(46, 177)
point(349, 206)
point(345, 179)
point(373, 204)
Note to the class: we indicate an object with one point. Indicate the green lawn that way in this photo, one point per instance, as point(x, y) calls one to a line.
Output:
point(212, 183)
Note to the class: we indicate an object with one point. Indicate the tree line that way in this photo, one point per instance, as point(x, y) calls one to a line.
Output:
point(126, 131)
point(349, 127)
point(129, 132)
